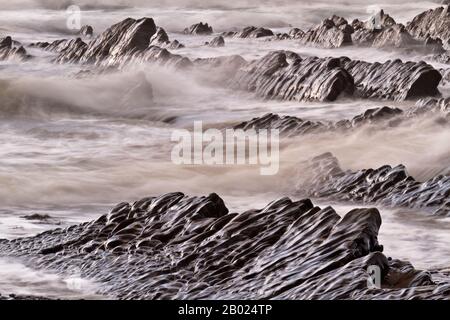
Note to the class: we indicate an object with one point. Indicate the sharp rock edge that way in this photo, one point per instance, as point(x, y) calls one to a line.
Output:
point(179, 247)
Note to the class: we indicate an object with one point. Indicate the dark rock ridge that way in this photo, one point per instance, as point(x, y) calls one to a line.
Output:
point(218, 41)
point(179, 247)
point(290, 126)
point(285, 75)
point(395, 80)
point(434, 23)
point(126, 37)
point(280, 75)
point(10, 49)
point(199, 29)
point(86, 31)
point(331, 33)
point(250, 32)
point(161, 39)
point(389, 186)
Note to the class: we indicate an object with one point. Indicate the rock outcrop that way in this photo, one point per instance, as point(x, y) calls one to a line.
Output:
point(199, 29)
point(395, 80)
point(285, 75)
point(389, 186)
point(218, 41)
point(250, 32)
point(86, 31)
point(331, 33)
point(161, 39)
point(10, 49)
point(434, 23)
point(179, 247)
point(124, 38)
point(290, 126)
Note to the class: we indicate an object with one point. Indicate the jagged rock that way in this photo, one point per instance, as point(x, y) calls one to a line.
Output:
point(86, 31)
point(124, 38)
point(285, 75)
point(394, 36)
point(394, 80)
point(296, 33)
point(391, 186)
point(218, 41)
point(175, 44)
point(293, 126)
point(379, 21)
point(161, 39)
point(10, 49)
point(199, 29)
point(331, 33)
point(198, 250)
point(434, 23)
point(250, 32)
point(432, 104)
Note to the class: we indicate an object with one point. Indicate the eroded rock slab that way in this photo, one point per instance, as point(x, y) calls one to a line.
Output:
point(179, 247)
point(391, 186)
point(10, 49)
point(394, 80)
point(285, 75)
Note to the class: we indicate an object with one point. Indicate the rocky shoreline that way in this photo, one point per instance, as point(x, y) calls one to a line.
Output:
point(180, 247)
point(175, 246)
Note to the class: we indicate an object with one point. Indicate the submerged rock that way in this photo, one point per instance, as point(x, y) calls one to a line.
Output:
point(386, 185)
point(285, 75)
point(199, 29)
point(179, 247)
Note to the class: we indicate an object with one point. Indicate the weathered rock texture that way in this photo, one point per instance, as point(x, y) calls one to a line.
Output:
point(10, 49)
point(434, 23)
point(331, 33)
point(86, 31)
point(199, 29)
point(390, 186)
point(250, 32)
point(394, 80)
point(285, 75)
point(179, 247)
point(218, 41)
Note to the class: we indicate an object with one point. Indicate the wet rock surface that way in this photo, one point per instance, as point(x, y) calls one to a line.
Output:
point(250, 32)
point(394, 80)
point(331, 33)
point(285, 75)
point(434, 23)
point(199, 29)
point(179, 247)
point(218, 41)
point(10, 49)
point(389, 186)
